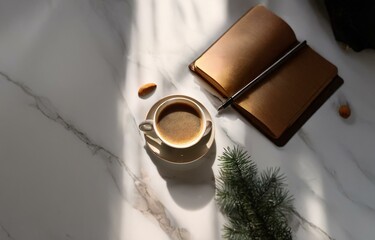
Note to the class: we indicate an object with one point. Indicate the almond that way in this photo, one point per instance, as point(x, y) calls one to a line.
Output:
point(146, 89)
point(344, 111)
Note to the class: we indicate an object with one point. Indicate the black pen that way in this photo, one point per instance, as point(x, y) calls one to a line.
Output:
point(261, 76)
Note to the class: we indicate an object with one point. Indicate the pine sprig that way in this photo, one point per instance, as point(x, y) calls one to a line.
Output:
point(257, 205)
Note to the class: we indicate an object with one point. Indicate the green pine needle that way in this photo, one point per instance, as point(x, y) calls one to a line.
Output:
point(257, 205)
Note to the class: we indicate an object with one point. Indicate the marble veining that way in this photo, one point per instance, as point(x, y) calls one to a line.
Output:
point(73, 164)
point(300, 221)
point(44, 106)
point(4, 234)
point(333, 174)
point(152, 206)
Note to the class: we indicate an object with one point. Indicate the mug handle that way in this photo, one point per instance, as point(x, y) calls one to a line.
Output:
point(146, 126)
point(208, 127)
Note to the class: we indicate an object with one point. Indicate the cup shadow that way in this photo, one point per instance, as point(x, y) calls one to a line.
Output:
point(197, 182)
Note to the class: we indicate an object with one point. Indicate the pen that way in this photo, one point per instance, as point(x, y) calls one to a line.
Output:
point(261, 76)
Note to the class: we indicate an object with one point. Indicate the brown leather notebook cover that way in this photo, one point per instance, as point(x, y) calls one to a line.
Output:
point(282, 103)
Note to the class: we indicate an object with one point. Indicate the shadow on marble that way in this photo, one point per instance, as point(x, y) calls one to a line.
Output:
point(68, 138)
point(190, 189)
point(235, 8)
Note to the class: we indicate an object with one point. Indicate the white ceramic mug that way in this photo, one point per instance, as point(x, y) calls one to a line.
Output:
point(178, 122)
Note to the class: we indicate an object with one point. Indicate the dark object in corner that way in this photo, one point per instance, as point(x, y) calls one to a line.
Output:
point(353, 22)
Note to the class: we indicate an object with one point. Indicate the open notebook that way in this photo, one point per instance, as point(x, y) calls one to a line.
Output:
point(280, 104)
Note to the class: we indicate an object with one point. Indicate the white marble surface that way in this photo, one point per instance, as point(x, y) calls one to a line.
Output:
point(73, 163)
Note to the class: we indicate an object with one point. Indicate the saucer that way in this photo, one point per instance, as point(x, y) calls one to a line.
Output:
point(175, 155)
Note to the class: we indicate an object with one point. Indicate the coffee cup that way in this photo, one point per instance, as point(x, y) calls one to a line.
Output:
point(178, 122)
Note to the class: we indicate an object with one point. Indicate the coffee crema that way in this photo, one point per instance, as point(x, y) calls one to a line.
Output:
point(179, 123)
